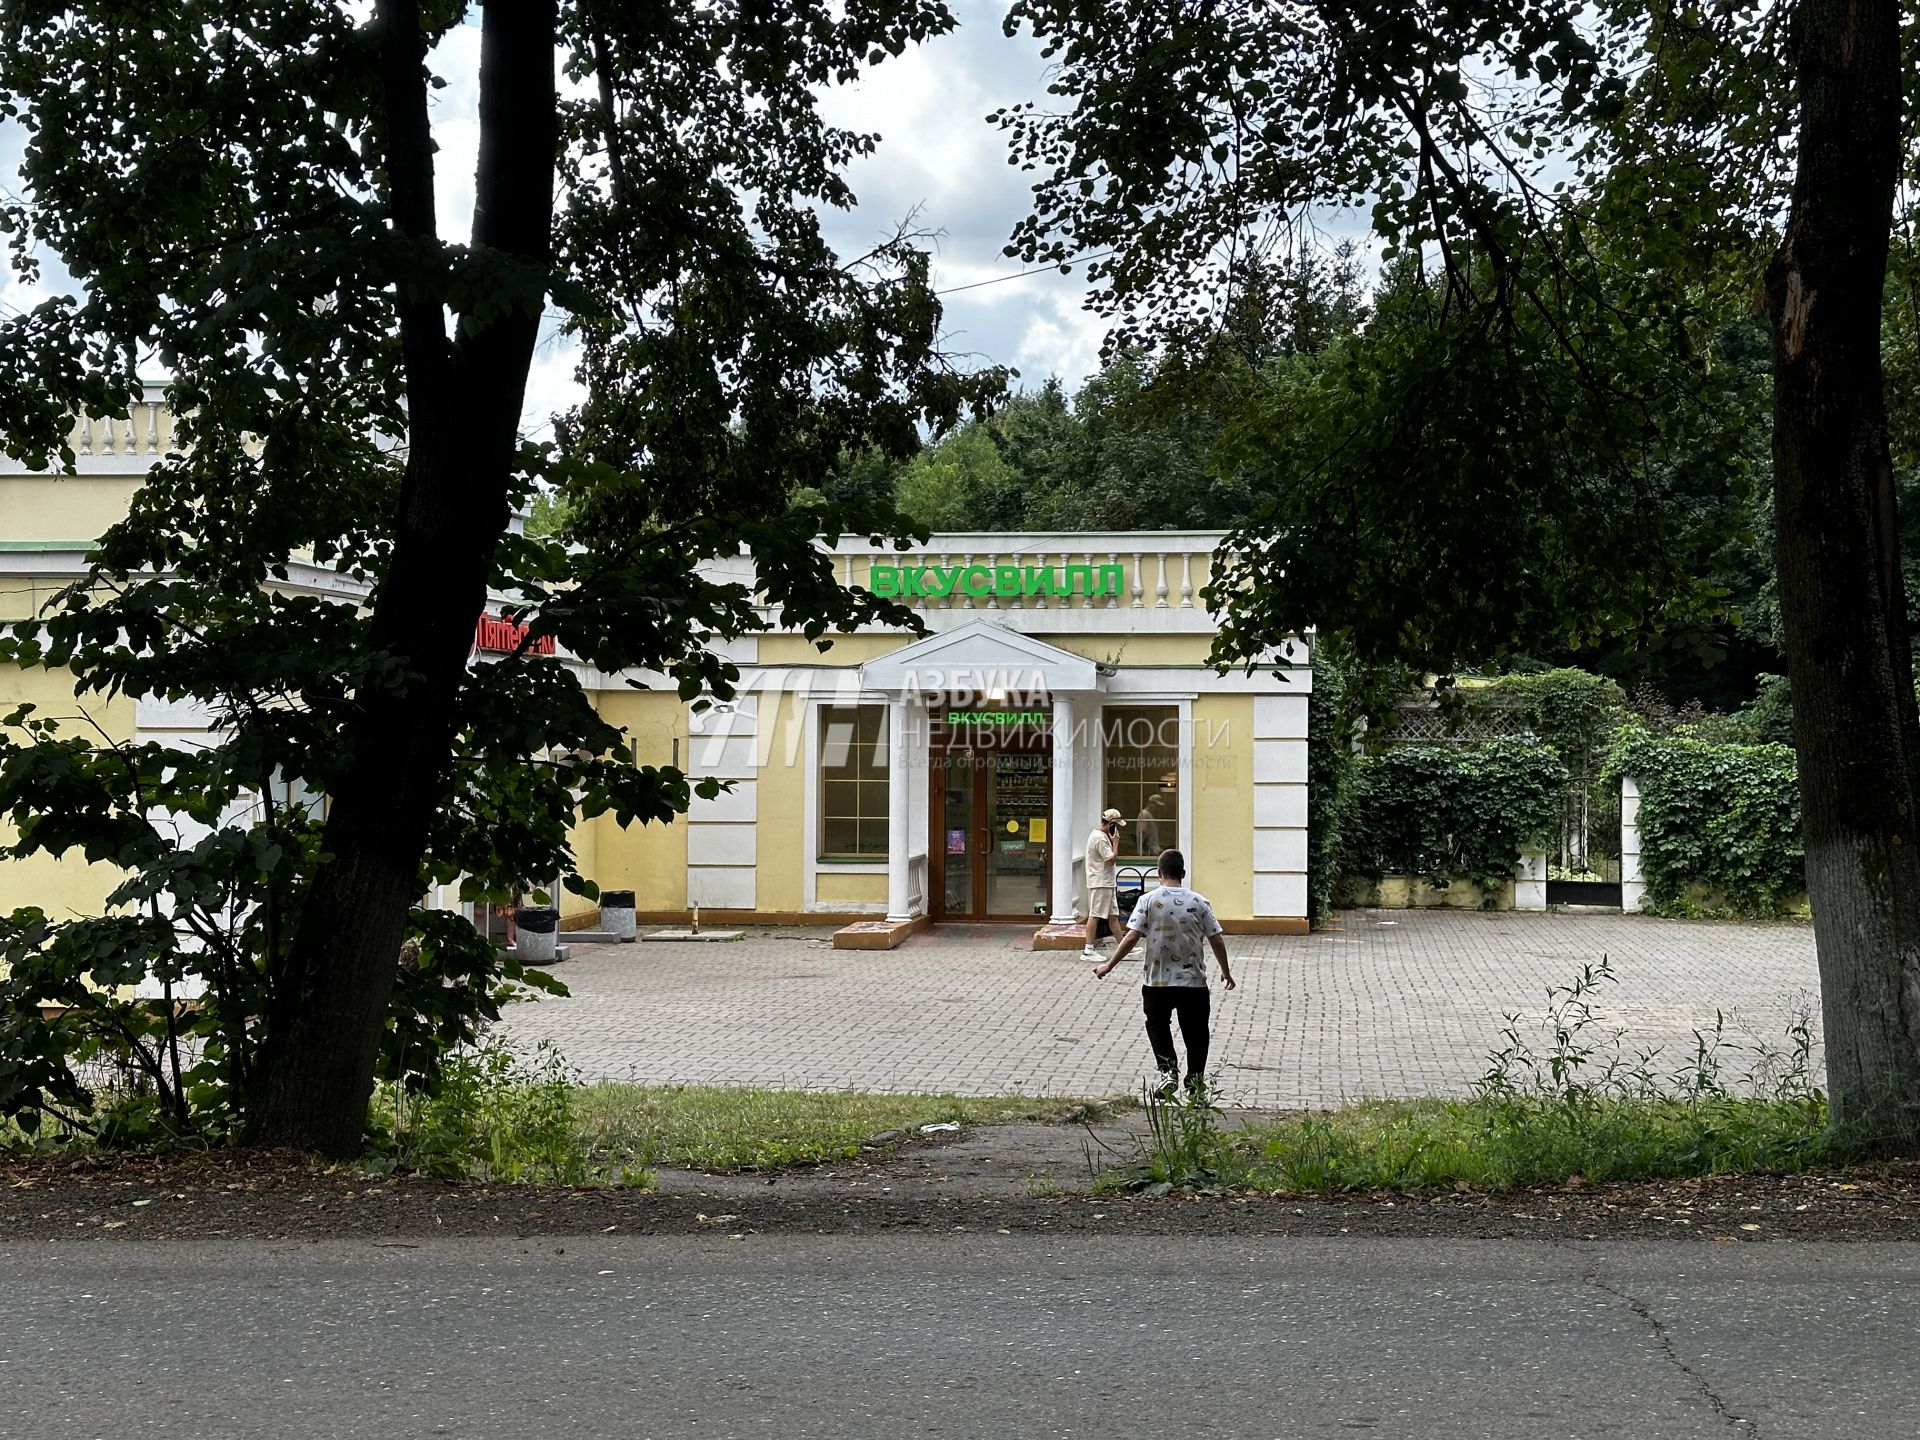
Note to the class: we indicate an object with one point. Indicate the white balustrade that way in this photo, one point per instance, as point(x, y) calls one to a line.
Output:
point(137, 436)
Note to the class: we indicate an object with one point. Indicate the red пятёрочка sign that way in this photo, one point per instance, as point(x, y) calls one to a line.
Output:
point(499, 634)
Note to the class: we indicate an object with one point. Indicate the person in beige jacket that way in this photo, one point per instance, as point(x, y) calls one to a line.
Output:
point(1102, 846)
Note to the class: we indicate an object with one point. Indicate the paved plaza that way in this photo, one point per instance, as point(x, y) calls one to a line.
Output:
point(1397, 1003)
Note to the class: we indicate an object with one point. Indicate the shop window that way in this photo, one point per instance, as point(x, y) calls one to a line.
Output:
point(853, 782)
point(1142, 745)
point(290, 795)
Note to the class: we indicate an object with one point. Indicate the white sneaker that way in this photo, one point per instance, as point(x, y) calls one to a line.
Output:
point(1089, 953)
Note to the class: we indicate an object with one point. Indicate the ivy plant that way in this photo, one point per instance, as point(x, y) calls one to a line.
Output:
point(1719, 824)
point(1447, 813)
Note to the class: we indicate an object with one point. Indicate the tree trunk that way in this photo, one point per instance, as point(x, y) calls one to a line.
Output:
point(464, 399)
point(1841, 600)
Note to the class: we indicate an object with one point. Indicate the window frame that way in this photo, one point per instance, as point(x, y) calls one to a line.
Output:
point(878, 780)
point(1138, 790)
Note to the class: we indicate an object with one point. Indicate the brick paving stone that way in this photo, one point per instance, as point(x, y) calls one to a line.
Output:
point(1397, 1003)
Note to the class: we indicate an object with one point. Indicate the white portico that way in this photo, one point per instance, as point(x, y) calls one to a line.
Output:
point(1020, 718)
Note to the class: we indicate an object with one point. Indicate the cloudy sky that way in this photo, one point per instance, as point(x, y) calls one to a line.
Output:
point(937, 153)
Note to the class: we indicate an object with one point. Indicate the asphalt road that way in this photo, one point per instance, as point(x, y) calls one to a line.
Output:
point(961, 1335)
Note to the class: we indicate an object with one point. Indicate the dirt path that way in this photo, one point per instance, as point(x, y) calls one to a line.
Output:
point(1017, 1177)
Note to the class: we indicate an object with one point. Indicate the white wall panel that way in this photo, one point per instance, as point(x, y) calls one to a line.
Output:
point(1280, 807)
point(730, 759)
point(742, 803)
point(1280, 762)
point(721, 844)
point(1280, 850)
point(1280, 717)
point(720, 887)
point(1279, 896)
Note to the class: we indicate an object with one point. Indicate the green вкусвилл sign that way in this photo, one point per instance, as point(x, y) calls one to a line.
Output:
point(996, 717)
point(1007, 582)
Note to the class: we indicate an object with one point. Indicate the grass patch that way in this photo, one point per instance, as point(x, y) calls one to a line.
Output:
point(1579, 1102)
point(718, 1129)
point(1414, 1145)
point(506, 1115)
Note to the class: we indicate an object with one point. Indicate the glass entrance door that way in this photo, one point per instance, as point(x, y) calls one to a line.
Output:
point(991, 846)
point(957, 844)
point(1017, 790)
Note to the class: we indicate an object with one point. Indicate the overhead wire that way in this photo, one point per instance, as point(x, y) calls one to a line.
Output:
point(1022, 274)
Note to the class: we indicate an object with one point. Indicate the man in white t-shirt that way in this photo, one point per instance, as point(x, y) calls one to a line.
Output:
point(1102, 846)
point(1177, 925)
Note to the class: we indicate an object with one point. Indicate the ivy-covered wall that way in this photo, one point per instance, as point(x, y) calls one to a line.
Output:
point(1719, 824)
point(1445, 813)
point(1719, 813)
point(1330, 767)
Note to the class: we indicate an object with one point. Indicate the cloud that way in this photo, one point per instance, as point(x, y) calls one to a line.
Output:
point(18, 294)
point(551, 387)
point(1061, 338)
point(939, 156)
point(454, 113)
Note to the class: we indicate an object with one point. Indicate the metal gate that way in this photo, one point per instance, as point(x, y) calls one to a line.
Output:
point(1585, 867)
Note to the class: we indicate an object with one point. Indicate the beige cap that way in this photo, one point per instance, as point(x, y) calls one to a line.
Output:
point(1112, 817)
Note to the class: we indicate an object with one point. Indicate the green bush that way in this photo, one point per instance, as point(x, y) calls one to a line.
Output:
point(1448, 813)
point(1719, 820)
point(204, 929)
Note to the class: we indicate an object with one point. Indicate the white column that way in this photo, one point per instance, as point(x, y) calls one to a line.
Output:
point(899, 780)
point(1530, 883)
point(1633, 884)
point(1060, 842)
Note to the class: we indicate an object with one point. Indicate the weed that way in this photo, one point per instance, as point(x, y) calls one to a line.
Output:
point(1184, 1143)
point(497, 1115)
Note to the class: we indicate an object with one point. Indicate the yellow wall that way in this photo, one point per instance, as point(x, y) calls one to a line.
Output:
point(63, 507)
point(838, 887)
point(845, 649)
point(651, 859)
point(780, 850)
point(62, 888)
point(22, 596)
point(1220, 859)
point(1136, 649)
point(584, 836)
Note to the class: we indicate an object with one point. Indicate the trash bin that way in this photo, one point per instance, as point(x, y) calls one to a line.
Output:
point(537, 934)
point(616, 914)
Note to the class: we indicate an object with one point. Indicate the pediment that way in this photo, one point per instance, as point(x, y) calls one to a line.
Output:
point(978, 660)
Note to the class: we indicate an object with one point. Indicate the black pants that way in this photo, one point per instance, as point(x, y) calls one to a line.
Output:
point(1193, 1004)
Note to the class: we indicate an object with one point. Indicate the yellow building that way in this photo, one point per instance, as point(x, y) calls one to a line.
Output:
point(889, 781)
